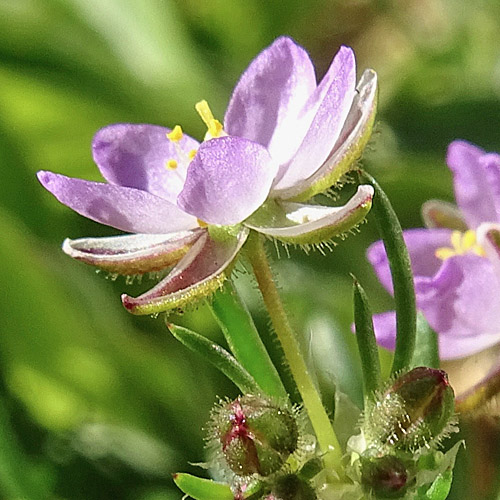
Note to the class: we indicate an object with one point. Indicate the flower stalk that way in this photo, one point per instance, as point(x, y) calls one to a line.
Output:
point(321, 424)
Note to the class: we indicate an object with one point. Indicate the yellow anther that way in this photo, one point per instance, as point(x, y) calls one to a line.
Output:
point(461, 243)
point(214, 126)
point(201, 223)
point(176, 134)
point(468, 239)
point(192, 153)
point(444, 253)
point(172, 164)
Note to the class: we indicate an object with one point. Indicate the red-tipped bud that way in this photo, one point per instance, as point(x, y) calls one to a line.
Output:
point(415, 411)
point(255, 435)
point(385, 477)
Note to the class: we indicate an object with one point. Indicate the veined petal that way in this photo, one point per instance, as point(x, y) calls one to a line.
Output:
point(488, 236)
point(476, 189)
point(136, 156)
point(333, 99)
point(463, 298)
point(132, 253)
point(269, 96)
point(200, 273)
point(124, 208)
point(450, 346)
point(441, 214)
point(348, 148)
point(422, 245)
point(228, 179)
point(309, 224)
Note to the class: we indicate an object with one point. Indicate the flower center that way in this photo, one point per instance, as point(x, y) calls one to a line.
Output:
point(461, 243)
point(214, 129)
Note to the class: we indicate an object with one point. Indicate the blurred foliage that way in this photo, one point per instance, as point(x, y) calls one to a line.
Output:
point(97, 404)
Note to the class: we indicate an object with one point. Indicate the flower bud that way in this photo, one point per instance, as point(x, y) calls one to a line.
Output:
point(415, 411)
point(385, 477)
point(291, 487)
point(254, 434)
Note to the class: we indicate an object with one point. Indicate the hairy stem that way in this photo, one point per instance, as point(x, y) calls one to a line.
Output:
point(322, 426)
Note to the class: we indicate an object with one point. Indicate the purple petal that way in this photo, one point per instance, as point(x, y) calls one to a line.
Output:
point(124, 208)
point(270, 95)
point(441, 214)
point(477, 182)
point(450, 346)
point(199, 274)
point(136, 156)
point(228, 179)
point(349, 147)
point(422, 245)
point(463, 298)
point(454, 346)
point(331, 103)
point(384, 325)
point(134, 253)
point(311, 224)
point(488, 236)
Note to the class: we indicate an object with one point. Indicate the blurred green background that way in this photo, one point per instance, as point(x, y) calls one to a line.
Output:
point(97, 404)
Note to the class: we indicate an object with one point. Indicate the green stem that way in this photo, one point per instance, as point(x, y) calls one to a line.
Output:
point(321, 424)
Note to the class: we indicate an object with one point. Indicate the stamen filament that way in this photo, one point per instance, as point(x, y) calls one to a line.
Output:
point(214, 126)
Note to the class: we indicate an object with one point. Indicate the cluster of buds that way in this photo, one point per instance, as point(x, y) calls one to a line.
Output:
point(401, 423)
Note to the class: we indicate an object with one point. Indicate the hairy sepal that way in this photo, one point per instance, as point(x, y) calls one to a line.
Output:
point(198, 275)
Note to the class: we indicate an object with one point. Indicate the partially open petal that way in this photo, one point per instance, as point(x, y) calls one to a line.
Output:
point(463, 298)
point(422, 245)
point(133, 253)
point(491, 165)
point(311, 224)
point(441, 214)
point(333, 99)
point(228, 179)
point(450, 346)
point(474, 192)
point(124, 208)
point(200, 273)
point(348, 148)
point(136, 156)
point(269, 96)
point(488, 236)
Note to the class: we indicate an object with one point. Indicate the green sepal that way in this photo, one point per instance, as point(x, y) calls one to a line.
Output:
point(440, 488)
point(202, 489)
point(426, 345)
point(365, 337)
point(402, 278)
point(218, 357)
point(244, 340)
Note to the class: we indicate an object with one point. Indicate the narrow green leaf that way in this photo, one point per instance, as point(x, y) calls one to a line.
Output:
point(218, 357)
point(202, 489)
point(365, 337)
point(402, 279)
point(426, 347)
point(244, 340)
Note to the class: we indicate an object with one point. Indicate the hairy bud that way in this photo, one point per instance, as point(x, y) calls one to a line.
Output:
point(414, 412)
point(254, 435)
point(385, 477)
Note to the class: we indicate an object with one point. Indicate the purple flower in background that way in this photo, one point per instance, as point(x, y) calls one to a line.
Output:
point(456, 260)
point(284, 139)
